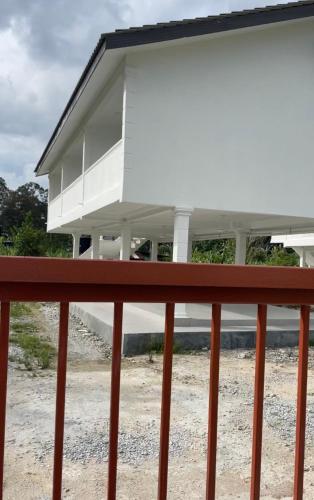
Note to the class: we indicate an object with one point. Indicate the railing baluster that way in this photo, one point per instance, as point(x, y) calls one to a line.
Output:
point(258, 402)
point(4, 348)
point(166, 403)
point(60, 400)
point(301, 402)
point(115, 400)
point(213, 401)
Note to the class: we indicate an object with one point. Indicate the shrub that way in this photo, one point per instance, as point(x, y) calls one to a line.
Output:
point(28, 240)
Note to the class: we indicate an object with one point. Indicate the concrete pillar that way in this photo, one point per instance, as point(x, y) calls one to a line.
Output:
point(302, 258)
point(190, 250)
point(154, 250)
point(181, 247)
point(84, 167)
point(181, 234)
point(241, 243)
point(95, 245)
point(76, 245)
point(125, 250)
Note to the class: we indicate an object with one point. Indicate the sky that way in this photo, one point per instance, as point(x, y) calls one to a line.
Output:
point(44, 47)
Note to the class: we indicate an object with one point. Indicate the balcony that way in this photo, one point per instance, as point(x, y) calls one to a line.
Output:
point(98, 186)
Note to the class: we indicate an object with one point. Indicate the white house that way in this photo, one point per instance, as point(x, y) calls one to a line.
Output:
point(303, 245)
point(189, 130)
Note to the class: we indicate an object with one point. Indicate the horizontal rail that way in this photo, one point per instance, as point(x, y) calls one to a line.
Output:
point(84, 272)
point(51, 292)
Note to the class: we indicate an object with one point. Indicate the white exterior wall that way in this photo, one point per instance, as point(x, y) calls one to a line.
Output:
point(100, 141)
point(224, 124)
point(55, 183)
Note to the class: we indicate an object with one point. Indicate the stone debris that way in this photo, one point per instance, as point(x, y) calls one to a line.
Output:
point(135, 446)
point(83, 344)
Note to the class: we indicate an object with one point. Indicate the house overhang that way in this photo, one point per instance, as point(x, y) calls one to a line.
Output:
point(112, 47)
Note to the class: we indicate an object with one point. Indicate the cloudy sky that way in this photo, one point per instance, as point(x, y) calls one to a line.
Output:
point(44, 46)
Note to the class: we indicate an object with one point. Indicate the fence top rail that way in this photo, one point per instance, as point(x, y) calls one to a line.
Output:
point(83, 272)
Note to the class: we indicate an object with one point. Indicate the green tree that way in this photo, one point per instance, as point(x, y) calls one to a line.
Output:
point(30, 197)
point(29, 240)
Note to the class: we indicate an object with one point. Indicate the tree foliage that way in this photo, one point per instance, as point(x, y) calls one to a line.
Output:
point(28, 239)
point(30, 197)
point(259, 251)
point(23, 216)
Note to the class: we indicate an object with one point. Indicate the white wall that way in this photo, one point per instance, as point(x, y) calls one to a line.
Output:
point(98, 141)
point(226, 124)
point(72, 164)
point(54, 183)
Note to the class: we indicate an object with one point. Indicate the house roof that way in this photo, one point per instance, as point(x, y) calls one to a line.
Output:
point(174, 30)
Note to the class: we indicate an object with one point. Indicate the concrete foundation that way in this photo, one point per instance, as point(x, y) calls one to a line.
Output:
point(143, 326)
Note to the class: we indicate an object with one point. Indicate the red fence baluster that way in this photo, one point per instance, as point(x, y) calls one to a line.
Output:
point(301, 402)
point(60, 400)
point(213, 401)
point(4, 348)
point(166, 403)
point(115, 400)
point(258, 402)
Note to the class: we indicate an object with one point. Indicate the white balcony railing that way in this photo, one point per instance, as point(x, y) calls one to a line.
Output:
point(54, 208)
point(98, 186)
point(72, 196)
point(105, 175)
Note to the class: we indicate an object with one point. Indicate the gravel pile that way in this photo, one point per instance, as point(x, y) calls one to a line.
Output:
point(135, 446)
point(279, 356)
point(82, 342)
point(281, 416)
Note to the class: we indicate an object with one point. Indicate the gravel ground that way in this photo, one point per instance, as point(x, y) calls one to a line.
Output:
point(83, 344)
point(31, 402)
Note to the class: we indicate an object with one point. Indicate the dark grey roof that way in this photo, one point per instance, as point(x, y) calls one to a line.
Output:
point(160, 32)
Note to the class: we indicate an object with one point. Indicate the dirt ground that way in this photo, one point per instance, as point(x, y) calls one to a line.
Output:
point(30, 423)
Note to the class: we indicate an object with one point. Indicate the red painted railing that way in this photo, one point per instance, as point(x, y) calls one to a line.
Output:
point(65, 281)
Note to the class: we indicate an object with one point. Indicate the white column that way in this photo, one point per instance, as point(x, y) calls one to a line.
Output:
point(95, 245)
point(125, 249)
point(153, 250)
point(190, 250)
point(181, 246)
point(84, 166)
point(181, 234)
point(241, 242)
point(62, 189)
point(76, 245)
point(302, 258)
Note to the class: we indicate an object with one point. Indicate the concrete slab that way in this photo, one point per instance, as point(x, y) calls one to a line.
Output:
point(143, 325)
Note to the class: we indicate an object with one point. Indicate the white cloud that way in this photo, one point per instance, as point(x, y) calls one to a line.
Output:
point(17, 155)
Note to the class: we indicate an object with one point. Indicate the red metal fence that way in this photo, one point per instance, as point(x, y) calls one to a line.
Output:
point(65, 281)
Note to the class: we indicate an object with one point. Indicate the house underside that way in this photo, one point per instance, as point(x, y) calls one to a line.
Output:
point(180, 225)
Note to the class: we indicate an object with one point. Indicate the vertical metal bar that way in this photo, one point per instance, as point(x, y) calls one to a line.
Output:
point(115, 400)
point(4, 348)
point(258, 402)
point(213, 401)
point(166, 403)
point(301, 402)
point(60, 400)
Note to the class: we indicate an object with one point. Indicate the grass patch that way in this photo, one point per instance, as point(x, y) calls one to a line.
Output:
point(36, 350)
point(20, 309)
point(157, 347)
